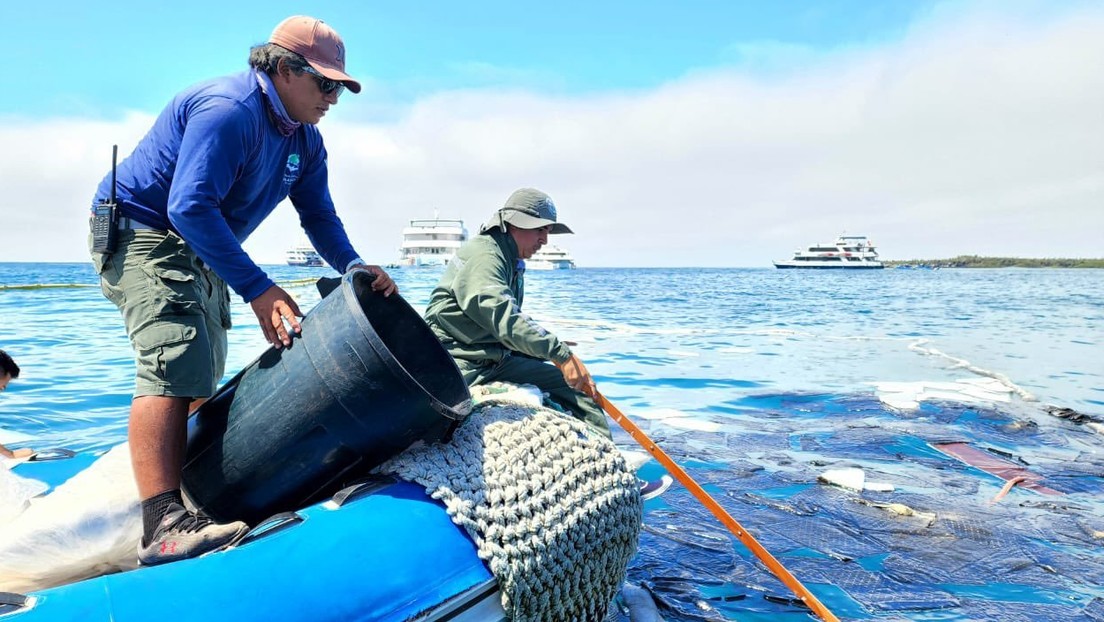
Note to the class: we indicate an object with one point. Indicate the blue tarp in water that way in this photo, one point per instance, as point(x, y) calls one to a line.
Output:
point(960, 555)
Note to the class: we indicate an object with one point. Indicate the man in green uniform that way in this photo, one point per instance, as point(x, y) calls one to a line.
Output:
point(475, 311)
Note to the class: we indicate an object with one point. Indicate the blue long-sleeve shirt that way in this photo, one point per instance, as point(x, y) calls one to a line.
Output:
point(214, 166)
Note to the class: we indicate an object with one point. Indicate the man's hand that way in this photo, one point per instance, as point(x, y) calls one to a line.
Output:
point(273, 308)
point(25, 452)
point(382, 282)
point(577, 377)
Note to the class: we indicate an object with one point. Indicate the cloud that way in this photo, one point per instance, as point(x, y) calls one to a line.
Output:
point(977, 132)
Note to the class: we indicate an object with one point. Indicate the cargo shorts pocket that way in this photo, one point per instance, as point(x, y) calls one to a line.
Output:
point(173, 358)
point(221, 299)
point(163, 334)
point(174, 291)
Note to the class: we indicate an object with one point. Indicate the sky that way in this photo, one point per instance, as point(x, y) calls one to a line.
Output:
point(700, 133)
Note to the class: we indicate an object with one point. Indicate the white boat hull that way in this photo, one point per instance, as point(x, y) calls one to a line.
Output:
point(548, 265)
point(807, 265)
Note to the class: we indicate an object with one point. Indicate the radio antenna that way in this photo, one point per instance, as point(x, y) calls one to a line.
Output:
point(114, 156)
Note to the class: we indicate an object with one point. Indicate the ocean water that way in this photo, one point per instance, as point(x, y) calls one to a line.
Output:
point(756, 381)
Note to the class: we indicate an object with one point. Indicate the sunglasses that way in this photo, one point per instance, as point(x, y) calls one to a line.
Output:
point(326, 85)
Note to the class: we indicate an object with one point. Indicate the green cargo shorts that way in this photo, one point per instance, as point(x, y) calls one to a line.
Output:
point(176, 312)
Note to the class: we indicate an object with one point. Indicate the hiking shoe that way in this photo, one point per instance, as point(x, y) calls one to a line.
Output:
point(184, 533)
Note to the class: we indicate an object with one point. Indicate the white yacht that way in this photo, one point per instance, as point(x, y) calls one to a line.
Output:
point(848, 252)
point(550, 258)
point(304, 255)
point(431, 242)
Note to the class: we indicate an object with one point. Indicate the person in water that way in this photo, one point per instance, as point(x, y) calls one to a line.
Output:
point(9, 370)
point(215, 164)
point(475, 310)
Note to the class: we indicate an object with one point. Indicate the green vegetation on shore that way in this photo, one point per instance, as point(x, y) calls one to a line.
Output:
point(974, 261)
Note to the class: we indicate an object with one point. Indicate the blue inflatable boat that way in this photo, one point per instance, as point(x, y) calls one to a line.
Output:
point(380, 550)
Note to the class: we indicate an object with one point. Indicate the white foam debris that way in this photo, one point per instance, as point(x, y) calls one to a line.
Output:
point(697, 425)
point(900, 403)
point(992, 391)
point(909, 395)
point(677, 419)
point(879, 486)
point(853, 478)
point(921, 347)
point(849, 478)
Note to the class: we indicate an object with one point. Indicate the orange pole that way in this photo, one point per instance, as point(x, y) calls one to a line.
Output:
point(749, 541)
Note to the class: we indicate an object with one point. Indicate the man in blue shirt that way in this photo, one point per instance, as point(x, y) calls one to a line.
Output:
point(215, 164)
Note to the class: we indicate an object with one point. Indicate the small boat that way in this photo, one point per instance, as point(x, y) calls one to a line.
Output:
point(550, 258)
point(381, 550)
point(431, 242)
point(304, 255)
point(847, 252)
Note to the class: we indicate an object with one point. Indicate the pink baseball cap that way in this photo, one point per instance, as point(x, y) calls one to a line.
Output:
point(318, 43)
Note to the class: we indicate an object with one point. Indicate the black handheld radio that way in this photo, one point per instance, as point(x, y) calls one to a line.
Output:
point(105, 217)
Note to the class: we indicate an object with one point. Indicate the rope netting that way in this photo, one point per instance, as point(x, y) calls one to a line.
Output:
point(552, 507)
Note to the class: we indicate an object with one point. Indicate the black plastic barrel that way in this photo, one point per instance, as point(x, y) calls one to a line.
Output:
point(366, 379)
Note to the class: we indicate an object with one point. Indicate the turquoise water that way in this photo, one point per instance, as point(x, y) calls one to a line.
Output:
point(755, 380)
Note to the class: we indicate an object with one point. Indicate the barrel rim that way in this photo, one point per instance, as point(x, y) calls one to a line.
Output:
point(455, 412)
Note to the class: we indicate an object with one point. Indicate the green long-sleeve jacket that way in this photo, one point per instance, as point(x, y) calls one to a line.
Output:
point(475, 310)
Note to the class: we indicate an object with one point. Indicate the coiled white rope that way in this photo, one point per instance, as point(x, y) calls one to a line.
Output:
point(552, 507)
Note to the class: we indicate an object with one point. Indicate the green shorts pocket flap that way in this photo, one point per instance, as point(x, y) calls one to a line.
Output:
point(157, 335)
point(171, 274)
